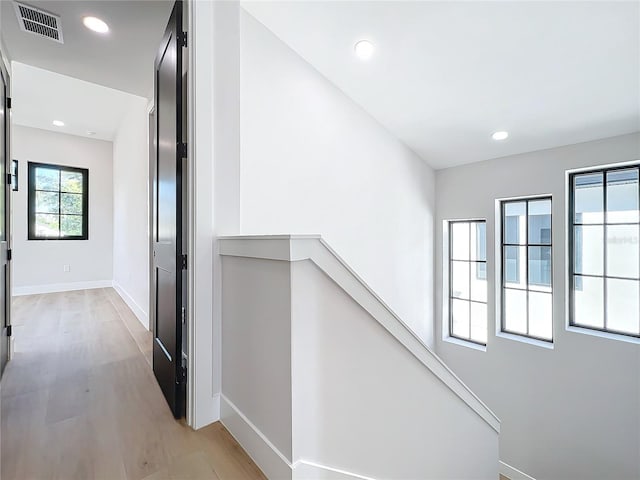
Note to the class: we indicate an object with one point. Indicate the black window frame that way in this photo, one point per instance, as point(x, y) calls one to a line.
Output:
point(526, 246)
point(571, 249)
point(31, 201)
point(471, 271)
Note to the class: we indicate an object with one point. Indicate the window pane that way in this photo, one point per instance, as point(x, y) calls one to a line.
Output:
point(71, 182)
point(588, 250)
point(70, 225)
point(540, 221)
point(623, 307)
point(460, 311)
point(588, 198)
point(460, 279)
point(540, 266)
point(479, 322)
point(589, 301)
point(623, 250)
point(460, 241)
point(47, 202)
point(479, 241)
point(540, 315)
point(47, 225)
point(47, 179)
point(514, 226)
point(514, 259)
point(478, 285)
point(515, 310)
point(71, 203)
point(622, 196)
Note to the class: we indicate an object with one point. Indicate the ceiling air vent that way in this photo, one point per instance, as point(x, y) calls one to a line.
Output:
point(39, 22)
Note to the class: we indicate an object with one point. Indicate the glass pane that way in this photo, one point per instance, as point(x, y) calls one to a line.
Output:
point(479, 322)
point(515, 310)
point(478, 282)
point(540, 315)
point(479, 241)
point(589, 301)
point(47, 225)
point(514, 226)
point(71, 203)
point(460, 312)
point(47, 179)
point(588, 250)
point(460, 241)
point(540, 267)
point(70, 225)
point(514, 259)
point(71, 182)
point(540, 221)
point(623, 250)
point(460, 280)
point(622, 196)
point(623, 306)
point(47, 202)
point(588, 198)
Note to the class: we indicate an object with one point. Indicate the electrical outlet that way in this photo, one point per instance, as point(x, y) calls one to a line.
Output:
point(66, 268)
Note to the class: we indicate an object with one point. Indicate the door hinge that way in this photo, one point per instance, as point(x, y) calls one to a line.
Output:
point(182, 148)
point(182, 374)
point(9, 178)
point(9, 255)
point(9, 331)
point(183, 314)
point(8, 102)
point(184, 262)
point(182, 39)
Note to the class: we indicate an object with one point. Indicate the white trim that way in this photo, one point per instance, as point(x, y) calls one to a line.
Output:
point(464, 343)
point(265, 454)
point(620, 337)
point(137, 310)
point(513, 473)
point(524, 339)
point(313, 247)
point(60, 287)
point(305, 469)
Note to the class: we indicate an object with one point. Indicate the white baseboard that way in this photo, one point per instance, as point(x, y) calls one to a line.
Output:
point(513, 473)
point(60, 287)
point(269, 459)
point(304, 470)
point(137, 310)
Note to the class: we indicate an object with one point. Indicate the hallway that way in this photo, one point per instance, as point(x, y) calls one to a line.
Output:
point(79, 400)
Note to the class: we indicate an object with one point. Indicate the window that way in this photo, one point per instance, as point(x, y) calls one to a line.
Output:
point(468, 281)
point(58, 202)
point(604, 271)
point(527, 268)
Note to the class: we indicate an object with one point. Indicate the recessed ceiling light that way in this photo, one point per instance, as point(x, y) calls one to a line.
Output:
point(95, 24)
point(364, 49)
point(502, 135)
point(90, 132)
point(58, 123)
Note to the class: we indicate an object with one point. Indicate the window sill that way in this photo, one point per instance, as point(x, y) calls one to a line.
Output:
point(462, 343)
point(607, 335)
point(527, 340)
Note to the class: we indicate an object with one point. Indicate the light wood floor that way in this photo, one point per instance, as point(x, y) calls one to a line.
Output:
point(79, 400)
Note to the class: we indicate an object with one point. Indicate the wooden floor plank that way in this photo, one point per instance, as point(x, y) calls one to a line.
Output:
point(79, 400)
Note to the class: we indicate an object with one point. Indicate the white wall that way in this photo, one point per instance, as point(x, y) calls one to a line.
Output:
point(312, 161)
point(571, 412)
point(38, 264)
point(131, 209)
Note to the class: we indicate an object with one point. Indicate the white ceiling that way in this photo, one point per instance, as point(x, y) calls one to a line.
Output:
point(39, 97)
point(445, 75)
point(122, 59)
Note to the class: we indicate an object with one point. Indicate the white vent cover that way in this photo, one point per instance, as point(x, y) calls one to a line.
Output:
point(37, 21)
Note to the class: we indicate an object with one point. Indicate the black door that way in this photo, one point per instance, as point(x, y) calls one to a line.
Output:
point(167, 211)
point(5, 191)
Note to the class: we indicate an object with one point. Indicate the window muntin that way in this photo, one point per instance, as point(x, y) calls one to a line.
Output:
point(604, 230)
point(58, 202)
point(527, 268)
point(468, 281)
